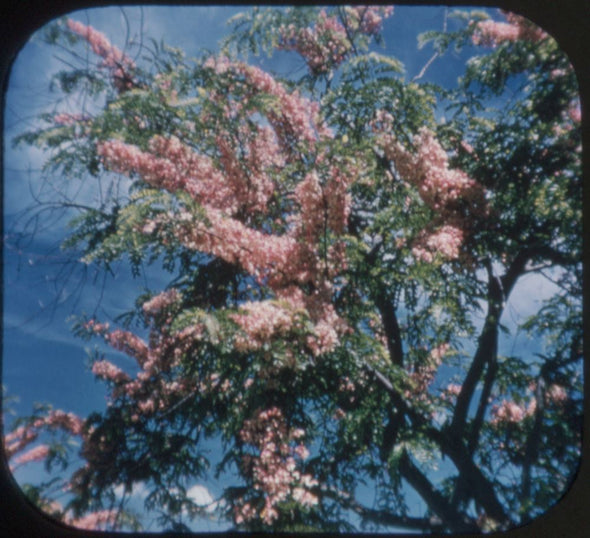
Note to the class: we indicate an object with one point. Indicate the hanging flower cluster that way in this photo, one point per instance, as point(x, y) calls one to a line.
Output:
point(453, 196)
point(512, 413)
point(226, 192)
point(367, 19)
point(328, 43)
point(22, 437)
point(274, 467)
point(152, 388)
point(119, 65)
point(324, 46)
point(517, 28)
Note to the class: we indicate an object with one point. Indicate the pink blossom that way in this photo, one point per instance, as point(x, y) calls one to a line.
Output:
point(445, 241)
point(491, 33)
point(339, 414)
point(60, 419)
point(119, 64)
point(38, 453)
point(95, 327)
point(556, 394)
point(575, 112)
point(324, 46)
point(510, 412)
point(107, 370)
point(128, 343)
point(261, 321)
point(173, 166)
point(274, 470)
point(161, 301)
point(302, 452)
point(369, 19)
point(248, 383)
point(467, 147)
point(436, 354)
point(448, 192)
point(295, 119)
point(146, 407)
point(453, 389)
point(327, 44)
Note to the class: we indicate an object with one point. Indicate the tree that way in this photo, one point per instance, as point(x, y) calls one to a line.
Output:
point(329, 241)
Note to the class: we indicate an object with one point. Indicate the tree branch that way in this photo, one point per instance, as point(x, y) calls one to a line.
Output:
point(383, 517)
point(485, 353)
point(490, 377)
point(499, 289)
point(532, 444)
point(435, 500)
point(479, 486)
point(391, 327)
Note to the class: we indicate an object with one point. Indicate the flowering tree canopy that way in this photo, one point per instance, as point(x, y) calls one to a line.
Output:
point(340, 249)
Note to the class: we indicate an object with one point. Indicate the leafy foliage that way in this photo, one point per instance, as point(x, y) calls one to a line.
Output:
point(340, 262)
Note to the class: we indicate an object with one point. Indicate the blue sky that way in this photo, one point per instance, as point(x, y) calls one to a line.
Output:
point(42, 361)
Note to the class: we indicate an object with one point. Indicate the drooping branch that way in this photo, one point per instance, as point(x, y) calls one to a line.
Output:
point(435, 500)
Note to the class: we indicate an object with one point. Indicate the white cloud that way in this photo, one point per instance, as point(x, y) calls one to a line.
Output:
point(201, 496)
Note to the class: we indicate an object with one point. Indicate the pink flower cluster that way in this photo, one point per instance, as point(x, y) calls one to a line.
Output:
point(152, 389)
point(171, 165)
point(66, 421)
point(180, 169)
point(556, 394)
point(119, 64)
point(69, 119)
point(491, 33)
point(509, 412)
point(18, 439)
point(424, 374)
point(295, 119)
point(274, 469)
point(128, 343)
point(452, 391)
point(107, 370)
point(327, 44)
point(368, 19)
point(23, 436)
point(240, 181)
point(448, 192)
point(160, 302)
point(262, 321)
point(320, 205)
point(227, 238)
point(38, 453)
point(445, 241)
point(574, 111)
point(249, 173)
point(324, 46)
